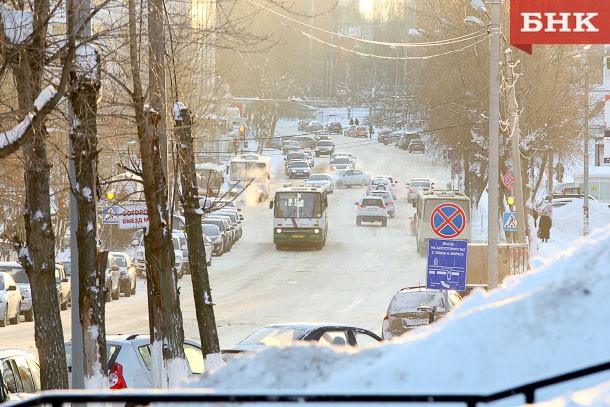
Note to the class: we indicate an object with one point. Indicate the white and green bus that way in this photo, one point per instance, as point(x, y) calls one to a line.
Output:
point(299, 217)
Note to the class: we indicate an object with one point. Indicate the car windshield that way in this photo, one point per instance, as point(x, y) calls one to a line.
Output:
point(409, 301)
point(299, 164)
point(211, 230)
point(325, 143)
point(341, 160)
point(420, 184)
point(318, 177)
point(274, 336)
point(372, 202)
point(15, 271)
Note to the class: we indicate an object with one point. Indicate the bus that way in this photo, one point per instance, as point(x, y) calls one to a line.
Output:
point(251, 171)
point(209, 179)
point(441, 214)
point(300, 217)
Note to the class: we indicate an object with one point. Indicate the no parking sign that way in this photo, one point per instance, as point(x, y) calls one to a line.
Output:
point(448, 220)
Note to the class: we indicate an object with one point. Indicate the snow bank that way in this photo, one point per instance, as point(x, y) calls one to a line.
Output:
point(547, 322)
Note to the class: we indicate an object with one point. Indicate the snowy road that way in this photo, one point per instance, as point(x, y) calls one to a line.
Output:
point(350, 281)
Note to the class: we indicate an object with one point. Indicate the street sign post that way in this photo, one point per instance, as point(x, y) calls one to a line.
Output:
point(509, 221)
point(447, 261)
point(448, 220)
point(509, 180)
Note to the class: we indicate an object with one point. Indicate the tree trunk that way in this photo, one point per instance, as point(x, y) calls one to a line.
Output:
point(197, 257)
point(92, 287)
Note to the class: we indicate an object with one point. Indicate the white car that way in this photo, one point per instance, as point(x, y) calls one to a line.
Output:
point(388, 199)
point(416, 185)
point(23, 282)
point(10, 300)
point(351, 157)
point(381, 184)
point(322, 181)
point(372, 209)
point(350, 178)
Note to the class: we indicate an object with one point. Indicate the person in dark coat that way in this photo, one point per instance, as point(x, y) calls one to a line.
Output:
point(351, 122)
point(356, 122)
point(371, 131)
point(544, 226)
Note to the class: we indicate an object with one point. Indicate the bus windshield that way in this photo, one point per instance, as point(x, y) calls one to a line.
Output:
point(248, 171)
point(298, 205)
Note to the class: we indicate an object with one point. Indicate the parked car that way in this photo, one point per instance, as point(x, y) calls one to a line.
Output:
point(314, 126)
point(388, 199)
point(416, 145)
point(322, 136)
point(298, 169)
point(218, 244)
point(382, 135)
point(361, 131)
point(127, 273)
point(406, 139)
point(183, 267)
point(415, 306)
point(17, 272)
point(112, 279)
point(334, 128)
point(130, 362)
point(223, 226)
point(64, 287)
point(372, 209)
point(336, 335)
point(234, 219)
point(349, 131)
point(350, 178)
point(351, 157)
point(19, 375)
point(325, 147)
point(322, 181)
point(10, 300)
point(416, 185)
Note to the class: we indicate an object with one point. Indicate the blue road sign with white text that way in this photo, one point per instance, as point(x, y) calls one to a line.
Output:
point(447, 261)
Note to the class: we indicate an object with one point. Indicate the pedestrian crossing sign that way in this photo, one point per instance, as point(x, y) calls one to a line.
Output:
point(509, 221)
point(109, 215)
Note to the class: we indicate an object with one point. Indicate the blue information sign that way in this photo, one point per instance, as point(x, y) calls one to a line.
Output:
point(447, 261)
point(509, 221)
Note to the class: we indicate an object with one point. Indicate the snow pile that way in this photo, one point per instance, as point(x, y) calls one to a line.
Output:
point(18, 25)
point(547, 322)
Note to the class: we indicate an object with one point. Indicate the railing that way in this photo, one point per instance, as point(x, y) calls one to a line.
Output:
point(140, 396)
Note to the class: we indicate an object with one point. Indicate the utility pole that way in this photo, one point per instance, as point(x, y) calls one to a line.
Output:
point(494, 136)
point(515, 138)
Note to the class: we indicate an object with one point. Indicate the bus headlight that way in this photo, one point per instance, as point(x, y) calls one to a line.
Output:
point(316, 230)
point(278, 230)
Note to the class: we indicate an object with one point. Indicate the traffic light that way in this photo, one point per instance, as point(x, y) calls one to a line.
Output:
point(242, 132)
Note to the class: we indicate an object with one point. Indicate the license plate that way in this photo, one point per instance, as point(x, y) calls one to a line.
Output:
point(415, 322)
point(298, 236)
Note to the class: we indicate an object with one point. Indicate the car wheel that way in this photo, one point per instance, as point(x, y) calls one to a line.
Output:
point(128, 292)
point(391, 215)
point(4, 319)
point(209, 263)
point(279, 247)
point(29, 316)
point(339, 184)
point(135, 285)
point(384, 223)
point(358, 221)
point(15, 319)
point(109, 293)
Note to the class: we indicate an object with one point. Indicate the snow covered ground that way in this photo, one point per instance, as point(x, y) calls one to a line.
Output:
point(550, 321)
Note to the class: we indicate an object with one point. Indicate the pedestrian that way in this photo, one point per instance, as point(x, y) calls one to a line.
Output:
point(544, 226)
point(351, 122)
point(371, 131)
point(356, 122)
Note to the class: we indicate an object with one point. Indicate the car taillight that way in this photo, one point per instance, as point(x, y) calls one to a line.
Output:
point(382, 206)
point(115, 377)
point(410, 189)
point(361, 206)
point(390, 203)
point(386, 318)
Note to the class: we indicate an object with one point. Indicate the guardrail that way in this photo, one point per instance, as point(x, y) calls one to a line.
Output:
point(143, 396)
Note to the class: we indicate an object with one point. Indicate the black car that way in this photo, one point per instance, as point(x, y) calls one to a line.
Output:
point(334, 128)
point(336, 335)
point(416, 145)
point(325, 147)
point(298, 169)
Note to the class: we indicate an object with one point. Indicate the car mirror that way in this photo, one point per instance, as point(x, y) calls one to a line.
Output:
point(356, 203)
point(241, 217)
point(270, 204)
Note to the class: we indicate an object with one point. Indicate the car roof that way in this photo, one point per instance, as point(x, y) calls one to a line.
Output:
point(12, 351)
point(10, 263)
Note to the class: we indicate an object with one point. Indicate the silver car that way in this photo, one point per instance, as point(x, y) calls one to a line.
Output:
point(17, 272)
point(388, 199)
point(130, 362)
point(322, 181)
point(416, 185)
point(10, 300)
point(350, 178)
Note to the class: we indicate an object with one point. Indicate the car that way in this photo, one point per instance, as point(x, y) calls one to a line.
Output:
point(314, 126)
point(64, 288)
point(416, 185)
point(361, 131)
point(416, 145)
point(334, 128)
point(216, 238)
point(290, 145)
point(340, 163)
point(234, 219)
point(381, 184)
point(388, 199)
point(229, 228)
point(382, 135)
point(351, 157)
point(302, 125)
point(372, 209)
point(392, 138)
point(327, 334)
point(10, 300)
point(19, 375)
point(349, 131)
point(17, 272)
point(223, 226)
point(350, 178)
point(309, 157)
point(184, 247)
point(305, 142)
point(127, 273)
point(112, 279)
point(298, 169)
point(130, 363)
point(325, 147)
point(322, 136)
point(292, 156)
point(412, 307)
point(405, 140)
point(322, 181)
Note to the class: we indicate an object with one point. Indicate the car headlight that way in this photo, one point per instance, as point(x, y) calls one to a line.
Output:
point(316, 230)
point(278, 230)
